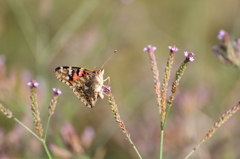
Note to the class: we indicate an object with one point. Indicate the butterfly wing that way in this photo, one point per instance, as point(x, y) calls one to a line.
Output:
point(84, 89)
point(82, 81)
point(79, 80)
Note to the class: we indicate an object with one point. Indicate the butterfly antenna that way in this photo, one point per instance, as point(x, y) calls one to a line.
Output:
point(109, 58)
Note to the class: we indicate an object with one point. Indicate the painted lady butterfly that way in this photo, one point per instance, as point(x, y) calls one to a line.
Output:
point(86, 83)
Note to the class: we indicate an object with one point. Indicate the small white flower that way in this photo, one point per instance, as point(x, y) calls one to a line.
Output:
point(189, 56)
point(173, 48)
point(221, 34)
point(57, 91)
point(150, 48)
point(33, 84)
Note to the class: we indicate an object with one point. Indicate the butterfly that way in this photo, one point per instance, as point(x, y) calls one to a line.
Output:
point(86, 83)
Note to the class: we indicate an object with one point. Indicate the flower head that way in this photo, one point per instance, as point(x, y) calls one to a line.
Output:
point(33, 83)
point(189, 56)
point(150, 48)
point(173, 49)
point(6, 111)
point(57, 91)
point(223, 36)
point(106, 89)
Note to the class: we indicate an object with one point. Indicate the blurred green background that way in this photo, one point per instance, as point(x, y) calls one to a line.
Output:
point(38, 36)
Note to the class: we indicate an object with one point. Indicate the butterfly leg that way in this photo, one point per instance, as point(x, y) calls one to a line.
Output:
point(107, 79)
point(101, 93)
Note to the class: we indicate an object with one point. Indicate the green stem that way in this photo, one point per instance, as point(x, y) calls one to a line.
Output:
point(130, 140)
point(46, 149)
point(42, 140)
point(167, 113)
point(161, 144)
point(19, 122)
point(194, 149)
point(48, 121)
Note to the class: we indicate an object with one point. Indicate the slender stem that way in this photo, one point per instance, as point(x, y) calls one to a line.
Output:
point(19, 122)
point(194, 149)
point(48, 121)
point(46, 149)
point(42, 140)
point(161, 144)
point(167, 113)
point(118, 119)
point(130, 140)
point(162, 130)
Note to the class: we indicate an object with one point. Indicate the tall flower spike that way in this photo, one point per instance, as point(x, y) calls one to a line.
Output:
point(34, 106)
point(150, 49)
point(117, 117)
point(52, 106)
point(227, 51)
point(221, 55)
point(179, 73)
point(167, 73)
point(6, 111)
point(222, 120)
point(219, 123)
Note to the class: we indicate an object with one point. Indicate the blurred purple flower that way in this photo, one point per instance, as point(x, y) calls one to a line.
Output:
point(57, 91)
point(87, 136)
point(223, 36)
point(150, 48)
point(106, 89)
point(173, 49)
point(189, 56)
point(33, 83)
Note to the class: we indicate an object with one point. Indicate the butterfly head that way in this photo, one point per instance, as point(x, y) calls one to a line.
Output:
point(100, 72)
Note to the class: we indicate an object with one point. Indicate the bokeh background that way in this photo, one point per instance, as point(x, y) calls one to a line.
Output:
point(38, 36)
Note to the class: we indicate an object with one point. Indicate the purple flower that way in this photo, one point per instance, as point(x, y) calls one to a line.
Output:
point(189, 56)
point(57, 91)
point(173, 49)
point(221, 34)
point(106, 89)
point(33, 83)
point(150, 48)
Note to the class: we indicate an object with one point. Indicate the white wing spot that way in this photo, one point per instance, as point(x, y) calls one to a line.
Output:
point(85, 87)
point(70, 70)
